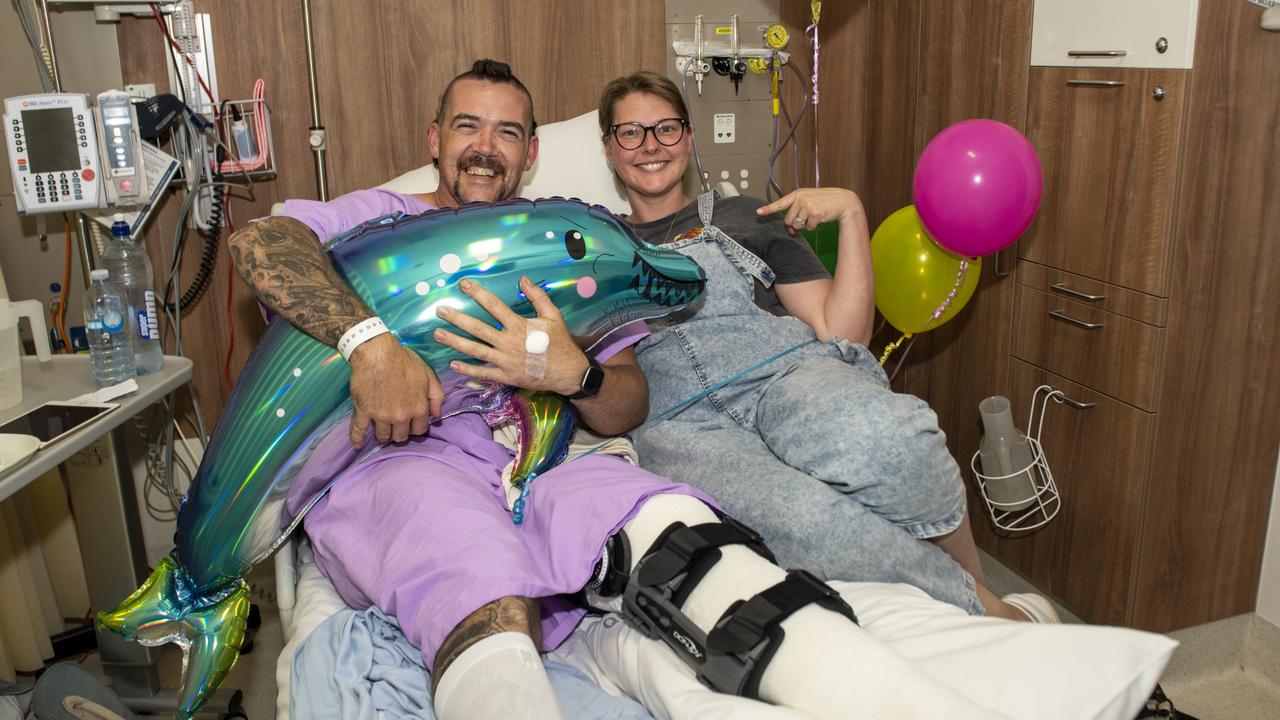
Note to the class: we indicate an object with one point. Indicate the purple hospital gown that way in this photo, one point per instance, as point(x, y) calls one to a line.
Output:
point(422, 529)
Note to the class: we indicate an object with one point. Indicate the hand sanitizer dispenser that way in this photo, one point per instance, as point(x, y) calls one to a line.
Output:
point(11, 346)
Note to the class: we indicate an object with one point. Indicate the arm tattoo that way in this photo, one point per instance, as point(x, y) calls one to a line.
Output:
point(290, 273)
point(507, 614)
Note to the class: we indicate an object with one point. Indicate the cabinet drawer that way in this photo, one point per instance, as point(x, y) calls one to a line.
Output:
point(1114, 33)
point(1111, 153)
point(1099, 458)
point(1121, 301)
point(1106, 352)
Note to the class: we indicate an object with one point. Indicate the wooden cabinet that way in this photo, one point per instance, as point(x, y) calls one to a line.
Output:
point(1087, 556)
point(1110, 152)
point(1147, 289)
point(1114, 33)
point(1081, 342)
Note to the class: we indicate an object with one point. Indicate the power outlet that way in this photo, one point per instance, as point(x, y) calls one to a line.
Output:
point(141, 91)
point(725, 127)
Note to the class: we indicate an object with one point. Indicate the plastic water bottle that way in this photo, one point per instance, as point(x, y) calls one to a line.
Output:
point(106, 322)
point(131, 271)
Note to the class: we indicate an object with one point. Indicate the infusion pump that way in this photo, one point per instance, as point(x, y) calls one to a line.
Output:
point(53, 152)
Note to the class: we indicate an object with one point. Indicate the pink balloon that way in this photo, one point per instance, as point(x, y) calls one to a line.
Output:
point(977, 187)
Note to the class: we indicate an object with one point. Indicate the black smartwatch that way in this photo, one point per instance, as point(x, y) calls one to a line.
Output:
point(592, 379)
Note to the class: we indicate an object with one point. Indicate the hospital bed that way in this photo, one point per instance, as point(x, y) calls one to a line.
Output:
point(1022, 670)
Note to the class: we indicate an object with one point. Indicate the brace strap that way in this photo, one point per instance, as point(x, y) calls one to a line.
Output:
point(751, 631)
point(680, 546)
point(734, 656)
point(746, 623)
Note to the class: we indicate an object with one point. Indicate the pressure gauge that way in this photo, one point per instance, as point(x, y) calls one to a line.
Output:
point(759, 66)
point(777, 37)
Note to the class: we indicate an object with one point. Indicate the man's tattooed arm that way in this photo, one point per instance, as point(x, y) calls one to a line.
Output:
point(290, 273)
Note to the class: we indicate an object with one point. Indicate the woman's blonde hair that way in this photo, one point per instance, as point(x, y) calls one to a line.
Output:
point(643, 81)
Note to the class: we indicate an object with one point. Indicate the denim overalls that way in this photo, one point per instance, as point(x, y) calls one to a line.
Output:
point(809, 446)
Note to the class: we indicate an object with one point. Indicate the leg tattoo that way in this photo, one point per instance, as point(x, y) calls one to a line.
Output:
point(506, 614)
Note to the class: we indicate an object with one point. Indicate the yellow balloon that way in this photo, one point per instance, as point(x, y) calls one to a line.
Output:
point(914, 276)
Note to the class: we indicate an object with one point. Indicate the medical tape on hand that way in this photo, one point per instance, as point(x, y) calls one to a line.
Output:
point(535, 347)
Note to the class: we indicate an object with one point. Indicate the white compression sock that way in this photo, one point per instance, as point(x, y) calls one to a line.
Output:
point(827, 666)
point(500, 677)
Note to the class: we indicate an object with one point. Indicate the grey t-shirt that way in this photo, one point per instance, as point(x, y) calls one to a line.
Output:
point(790, 258)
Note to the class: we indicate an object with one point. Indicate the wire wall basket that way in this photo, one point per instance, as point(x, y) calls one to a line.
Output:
point(246, 140)
point(1042, 502)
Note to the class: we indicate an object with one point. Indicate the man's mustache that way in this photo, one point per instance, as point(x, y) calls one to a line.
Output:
point(482, 161)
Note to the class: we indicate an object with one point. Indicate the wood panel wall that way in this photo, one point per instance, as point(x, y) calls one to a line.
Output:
point(381, 66)
point(975, 58)
point(892, 75)
point(869, 77)
point(1209, 500)
point(895, 73)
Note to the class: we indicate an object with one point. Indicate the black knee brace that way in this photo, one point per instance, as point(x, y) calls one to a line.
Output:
point(731, 658)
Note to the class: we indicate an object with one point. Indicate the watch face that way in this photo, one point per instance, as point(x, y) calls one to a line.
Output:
point(592, 380)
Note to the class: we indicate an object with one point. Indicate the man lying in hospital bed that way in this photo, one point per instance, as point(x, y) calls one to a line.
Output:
point(1012, 670)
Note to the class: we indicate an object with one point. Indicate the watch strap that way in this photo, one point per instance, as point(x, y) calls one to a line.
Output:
point(592, 380)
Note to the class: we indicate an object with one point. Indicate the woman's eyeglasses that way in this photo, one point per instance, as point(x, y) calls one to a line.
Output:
point(630, 136)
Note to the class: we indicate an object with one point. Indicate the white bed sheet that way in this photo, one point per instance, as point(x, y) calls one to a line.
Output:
point(1046, 672)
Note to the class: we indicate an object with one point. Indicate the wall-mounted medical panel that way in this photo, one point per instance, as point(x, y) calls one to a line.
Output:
point(683, 11)
point(1108, 33)
point(716, 86)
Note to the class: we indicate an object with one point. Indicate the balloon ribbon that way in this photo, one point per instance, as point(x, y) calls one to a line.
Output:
point(893, 346)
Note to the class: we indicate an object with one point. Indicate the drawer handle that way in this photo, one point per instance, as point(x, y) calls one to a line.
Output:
point(1059, 315)
point(1062, 288)
point(1076, 403)
point(1096, 53)
point(1097, 83)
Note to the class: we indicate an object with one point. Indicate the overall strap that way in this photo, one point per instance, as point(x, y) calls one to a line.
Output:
point(746, 260)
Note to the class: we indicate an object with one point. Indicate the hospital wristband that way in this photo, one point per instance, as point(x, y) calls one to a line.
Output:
point(359, 333)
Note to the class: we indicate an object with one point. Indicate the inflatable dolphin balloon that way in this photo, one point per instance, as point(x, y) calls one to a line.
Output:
point(294, 390)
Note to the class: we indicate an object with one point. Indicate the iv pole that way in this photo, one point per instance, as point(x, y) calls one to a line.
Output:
point(83, 233)
point(316, 135)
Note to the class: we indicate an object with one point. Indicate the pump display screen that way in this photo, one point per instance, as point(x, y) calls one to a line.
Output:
point(51, 140)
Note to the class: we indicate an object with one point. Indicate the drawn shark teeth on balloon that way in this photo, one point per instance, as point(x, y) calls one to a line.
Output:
point(660, 288)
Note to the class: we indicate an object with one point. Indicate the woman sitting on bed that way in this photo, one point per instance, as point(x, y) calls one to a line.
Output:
point(807, 443)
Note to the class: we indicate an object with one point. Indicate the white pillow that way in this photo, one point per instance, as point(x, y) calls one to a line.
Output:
point(570, 163)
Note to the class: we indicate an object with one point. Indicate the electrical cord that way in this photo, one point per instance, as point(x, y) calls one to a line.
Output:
point(209, 253)
point(31, 28)
point(791, 131)
point(174, 318)
point(684, 95)
point(173, 45)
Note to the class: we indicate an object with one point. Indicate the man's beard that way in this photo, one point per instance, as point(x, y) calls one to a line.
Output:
point(480, 161)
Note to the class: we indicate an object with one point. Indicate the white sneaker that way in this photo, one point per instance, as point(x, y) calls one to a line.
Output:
point(1036, 607)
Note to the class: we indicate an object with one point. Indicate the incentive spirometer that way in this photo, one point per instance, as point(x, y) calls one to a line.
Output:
point(53, 152)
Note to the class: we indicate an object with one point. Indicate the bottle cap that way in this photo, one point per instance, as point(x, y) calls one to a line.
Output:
point(119, 228)
point(99, 274)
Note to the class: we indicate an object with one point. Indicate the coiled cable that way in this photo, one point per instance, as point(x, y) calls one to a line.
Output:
point(209, 254)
